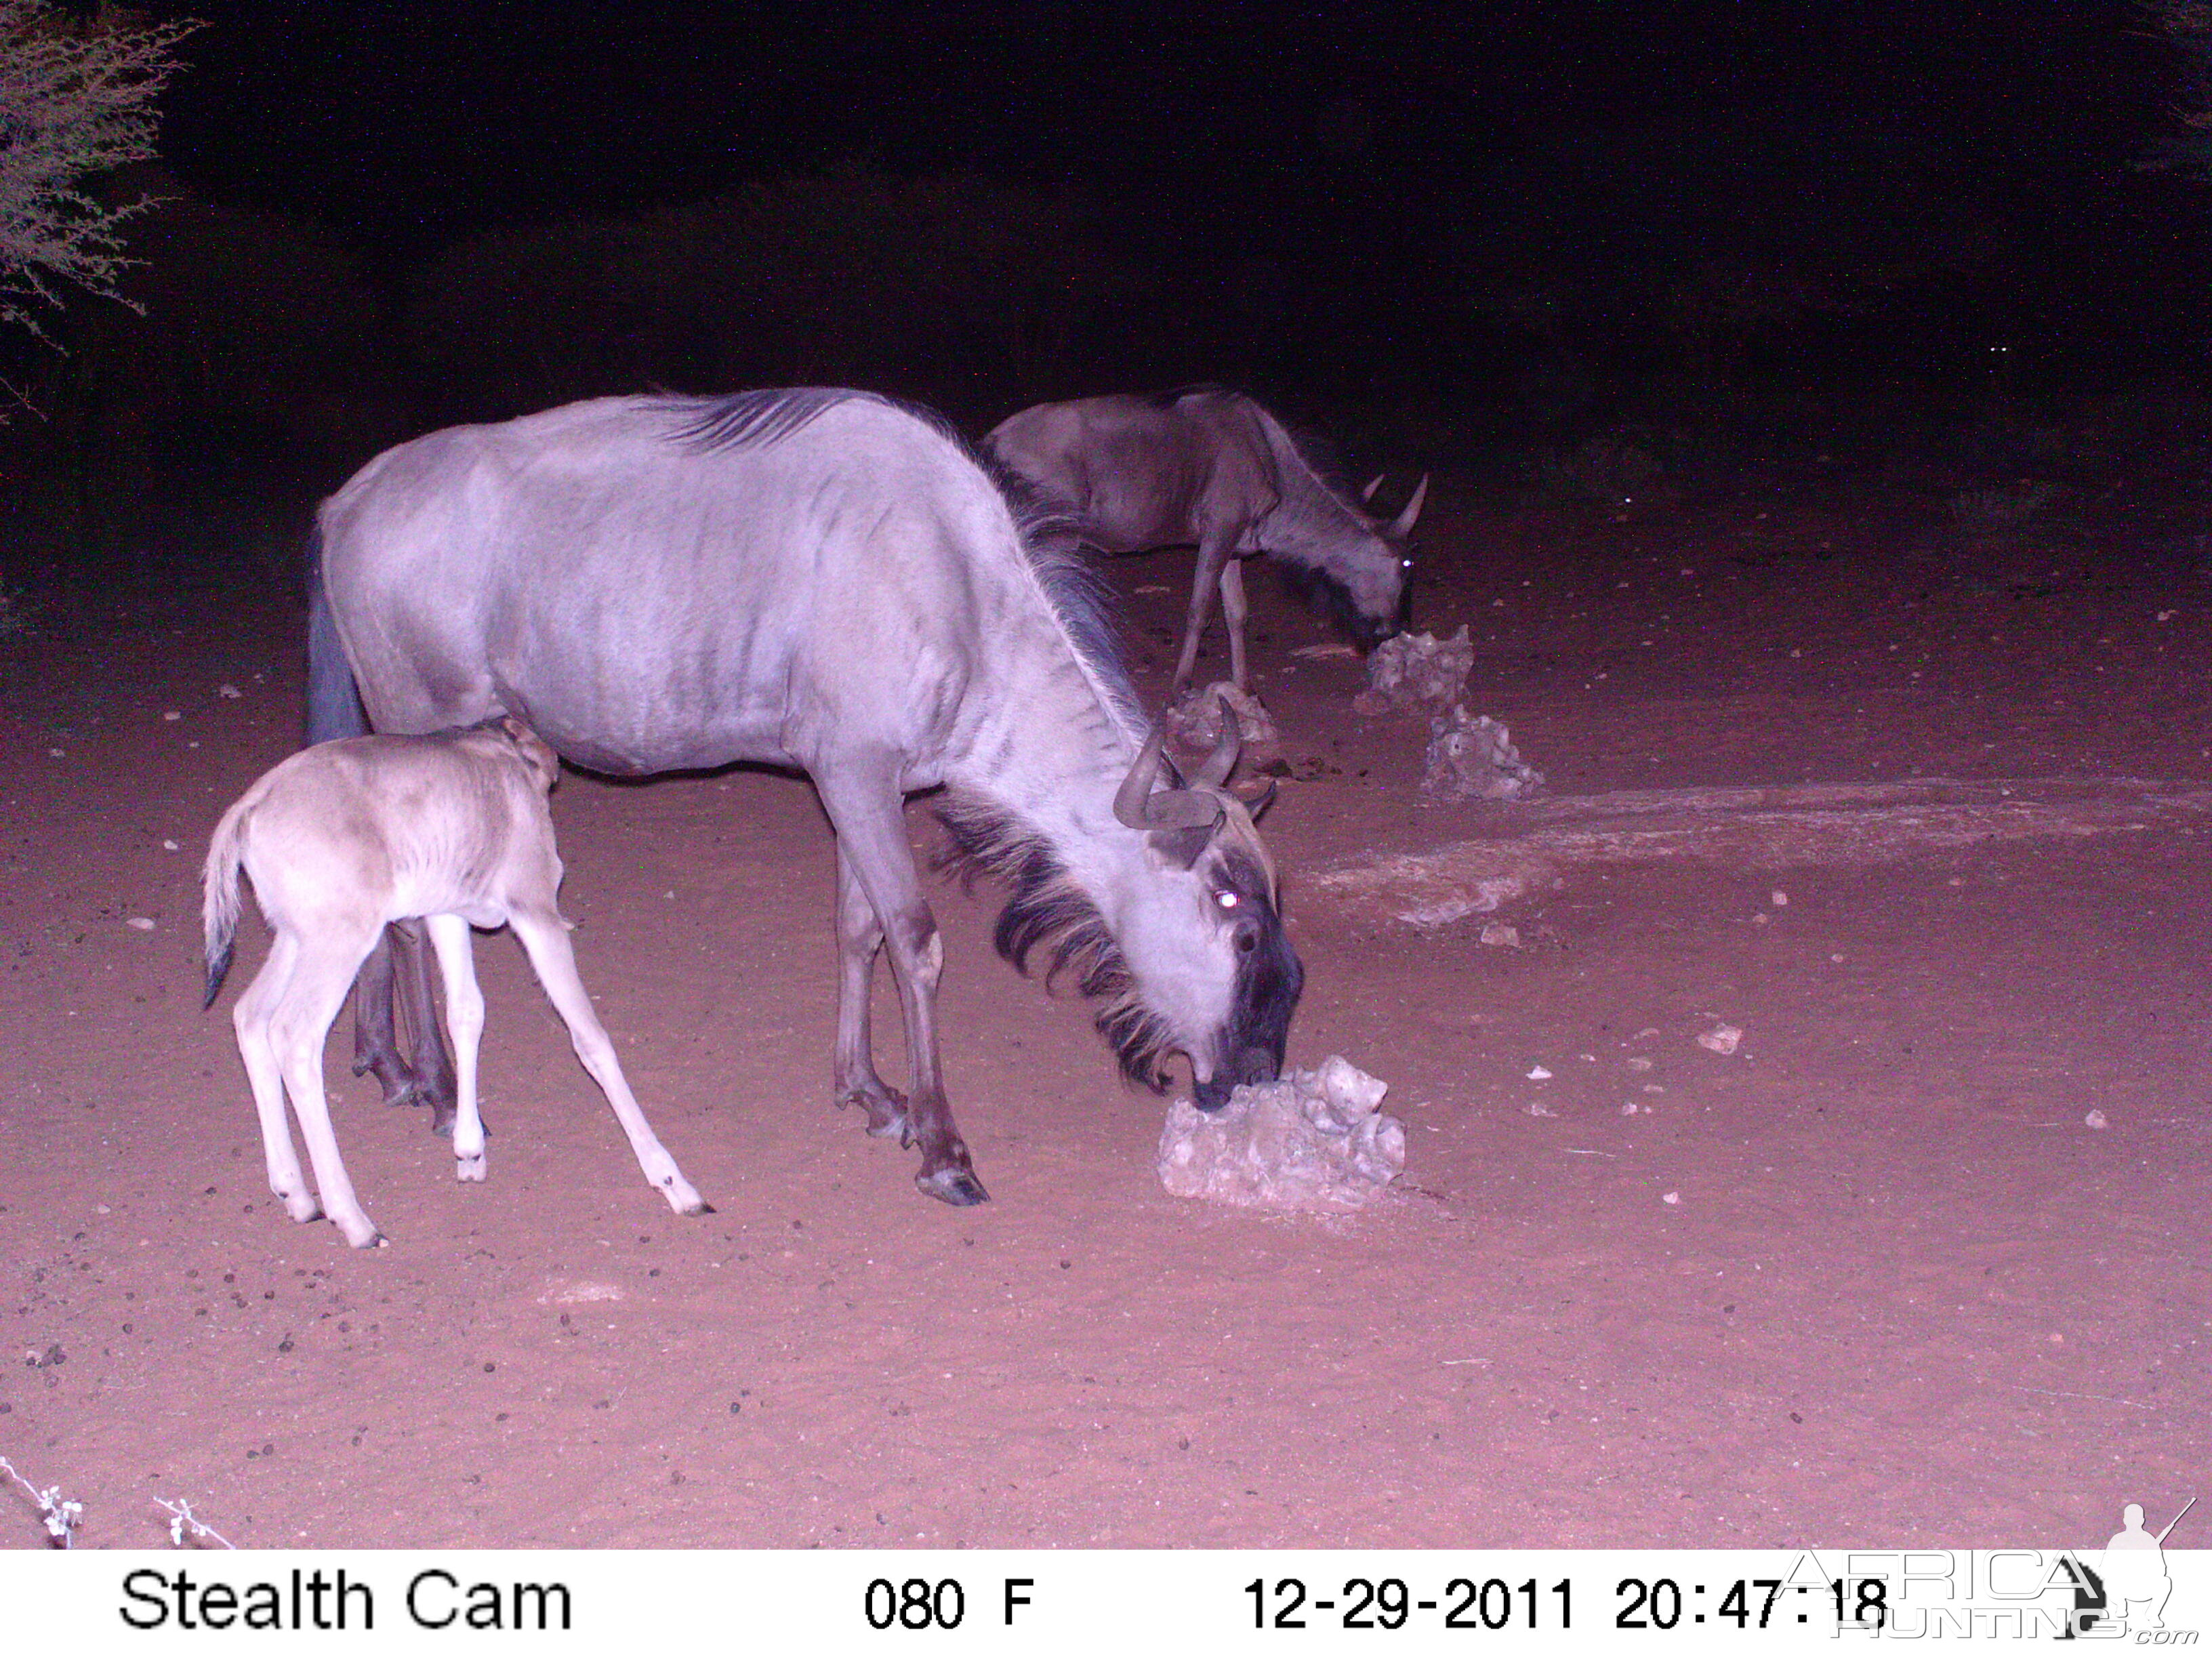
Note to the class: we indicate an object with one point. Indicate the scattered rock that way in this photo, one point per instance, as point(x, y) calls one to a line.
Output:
point(1498, 932)
point(1416, 673)
point(1472, 757)
point(1196, 719)
point(1722, 1039)
point(229, 691)
point(2095, 1120)
point(144, 924)
point(1314, 1140)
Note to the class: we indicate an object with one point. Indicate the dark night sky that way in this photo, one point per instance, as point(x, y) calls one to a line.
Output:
point(401, 126)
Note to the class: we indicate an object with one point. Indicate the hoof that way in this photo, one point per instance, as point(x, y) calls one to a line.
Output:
point(886, 1113)
point(371, 1240)
point(304, 1209)
point(957, 1187)
point(444, 1115)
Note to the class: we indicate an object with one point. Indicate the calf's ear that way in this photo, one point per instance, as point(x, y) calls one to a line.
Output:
point(534, 750)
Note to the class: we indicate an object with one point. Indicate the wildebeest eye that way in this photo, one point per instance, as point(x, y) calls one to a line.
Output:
point(1226, 899)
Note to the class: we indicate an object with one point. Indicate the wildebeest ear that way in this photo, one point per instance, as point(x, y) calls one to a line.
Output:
point(1256, 800)
point(1182, 847)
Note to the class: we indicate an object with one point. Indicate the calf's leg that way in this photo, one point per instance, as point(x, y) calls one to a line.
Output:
point(251, 1019)
point(546, 937)
point(464, 1013)
point(312, 998)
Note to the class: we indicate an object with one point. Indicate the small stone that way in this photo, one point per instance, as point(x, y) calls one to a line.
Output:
point(2095, 1120)
point(229, 691)
point(1721, 1039)
point(144, 924)
point(1670, 1198)
point(1629, 1108)
point(172, 715)
point(1536, 1109)
point(1496, 933)
point(1781, 900)
point(170, 847)
point(1537, 1073)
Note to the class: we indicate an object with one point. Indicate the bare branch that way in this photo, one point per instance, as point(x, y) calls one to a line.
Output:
point(76, 99)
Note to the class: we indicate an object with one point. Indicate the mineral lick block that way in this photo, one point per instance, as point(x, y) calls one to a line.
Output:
point(1313, 1140)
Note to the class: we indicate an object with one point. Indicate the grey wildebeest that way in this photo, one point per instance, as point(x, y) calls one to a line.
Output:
point(827, 580)
point(1210, 468)
point(351, 836)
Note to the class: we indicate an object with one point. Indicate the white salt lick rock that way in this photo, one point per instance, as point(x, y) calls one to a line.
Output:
point(1314, 1141)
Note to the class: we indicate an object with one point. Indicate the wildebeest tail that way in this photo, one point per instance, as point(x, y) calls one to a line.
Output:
point(334, 708)
point(219, 894)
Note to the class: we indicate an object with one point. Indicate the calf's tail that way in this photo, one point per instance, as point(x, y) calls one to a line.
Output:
point(219, 894)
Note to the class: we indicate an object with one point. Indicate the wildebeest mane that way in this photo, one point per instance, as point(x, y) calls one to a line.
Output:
point(1047, 912)
point(1318, 453)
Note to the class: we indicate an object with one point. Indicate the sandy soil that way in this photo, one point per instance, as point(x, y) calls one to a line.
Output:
point(1872, 1278)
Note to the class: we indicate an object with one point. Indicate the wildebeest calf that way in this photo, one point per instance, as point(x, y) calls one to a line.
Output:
point(347, 836)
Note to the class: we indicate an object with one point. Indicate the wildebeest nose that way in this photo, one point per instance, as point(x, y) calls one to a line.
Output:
point(1255, 1065)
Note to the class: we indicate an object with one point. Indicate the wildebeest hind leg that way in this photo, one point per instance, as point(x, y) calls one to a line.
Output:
point(399, 964)
point(376, 1040)
point(860, 793)
point(860, 936)
point(1213, 558)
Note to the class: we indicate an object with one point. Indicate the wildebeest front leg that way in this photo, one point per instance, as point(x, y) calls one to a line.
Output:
point(860, 936)
point(1232, 616)
point(1213, 561)
point(399, 963)
point(866, 806)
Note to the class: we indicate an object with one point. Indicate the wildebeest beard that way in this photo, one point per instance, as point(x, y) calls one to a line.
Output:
point(1046, 910)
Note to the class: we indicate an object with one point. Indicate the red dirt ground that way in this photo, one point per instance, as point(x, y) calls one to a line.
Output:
point(1904, 1292)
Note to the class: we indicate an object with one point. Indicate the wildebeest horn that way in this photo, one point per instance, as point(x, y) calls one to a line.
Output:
point(1214, 770)
point(1373, 485)
point(1137, 805)
point(1403, 524)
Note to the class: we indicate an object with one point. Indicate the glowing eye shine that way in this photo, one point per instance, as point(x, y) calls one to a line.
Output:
point(1227, 901)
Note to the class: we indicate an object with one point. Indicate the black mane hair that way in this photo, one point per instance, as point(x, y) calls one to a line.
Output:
point(1047, 912)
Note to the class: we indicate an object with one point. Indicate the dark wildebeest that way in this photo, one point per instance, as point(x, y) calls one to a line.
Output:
point(827, 580)
point(1212, 469)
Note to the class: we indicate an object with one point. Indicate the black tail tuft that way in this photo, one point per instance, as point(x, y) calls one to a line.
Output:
point(218, 965)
